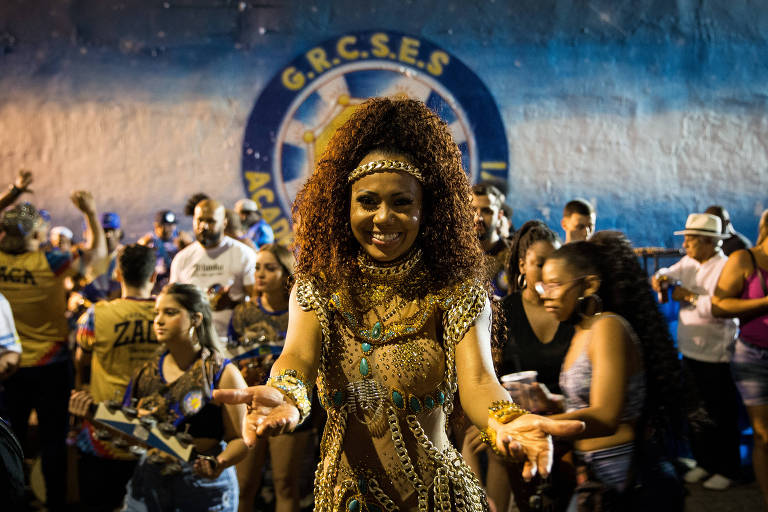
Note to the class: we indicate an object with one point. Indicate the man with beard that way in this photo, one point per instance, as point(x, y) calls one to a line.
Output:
point(218, 264)
point(487, 203)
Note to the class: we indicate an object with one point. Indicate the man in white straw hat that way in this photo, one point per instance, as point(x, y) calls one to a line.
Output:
point(706, 343)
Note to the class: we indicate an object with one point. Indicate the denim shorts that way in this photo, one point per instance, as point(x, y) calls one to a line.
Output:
point(150, 490)
point(749, 367)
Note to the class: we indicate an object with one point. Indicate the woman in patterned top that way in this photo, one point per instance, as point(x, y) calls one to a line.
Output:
point(391, 315)
point(177, 388)
point(260, 325)
point(621, 374)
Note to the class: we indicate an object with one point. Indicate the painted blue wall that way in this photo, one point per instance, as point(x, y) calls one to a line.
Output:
point(615, 69)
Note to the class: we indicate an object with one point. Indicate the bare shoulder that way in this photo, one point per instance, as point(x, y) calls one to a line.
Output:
point(611, 326)
point(740, 259)
point(231, 378)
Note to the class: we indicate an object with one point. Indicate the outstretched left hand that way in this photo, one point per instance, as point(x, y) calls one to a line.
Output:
point(530, 436)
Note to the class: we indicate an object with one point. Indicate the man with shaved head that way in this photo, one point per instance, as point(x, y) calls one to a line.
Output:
point(218, 264)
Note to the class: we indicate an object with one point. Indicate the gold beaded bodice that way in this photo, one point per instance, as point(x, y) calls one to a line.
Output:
point(387, 368)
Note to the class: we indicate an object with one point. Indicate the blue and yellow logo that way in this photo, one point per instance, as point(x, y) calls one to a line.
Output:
point(300, 108)
point(192, 402)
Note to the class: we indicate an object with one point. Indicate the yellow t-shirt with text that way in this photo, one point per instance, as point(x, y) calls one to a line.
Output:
point(33, 283)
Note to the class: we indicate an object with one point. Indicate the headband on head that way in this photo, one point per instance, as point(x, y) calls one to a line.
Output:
point(384, 165)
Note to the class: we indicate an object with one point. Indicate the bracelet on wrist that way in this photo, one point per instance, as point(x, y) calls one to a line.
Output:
point(291, 384)
point(502, 411)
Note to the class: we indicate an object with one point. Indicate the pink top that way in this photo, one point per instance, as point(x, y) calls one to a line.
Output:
point(755, 331)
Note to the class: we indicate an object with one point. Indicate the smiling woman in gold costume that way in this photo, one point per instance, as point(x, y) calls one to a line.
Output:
point(390, 317)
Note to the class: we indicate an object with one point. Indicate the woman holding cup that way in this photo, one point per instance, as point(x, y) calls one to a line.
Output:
point(536, 344)
point(621, 373)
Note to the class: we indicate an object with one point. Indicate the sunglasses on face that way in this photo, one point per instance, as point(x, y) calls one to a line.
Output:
point(547, 289)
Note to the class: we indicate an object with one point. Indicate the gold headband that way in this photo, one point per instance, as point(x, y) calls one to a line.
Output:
point(384, 165)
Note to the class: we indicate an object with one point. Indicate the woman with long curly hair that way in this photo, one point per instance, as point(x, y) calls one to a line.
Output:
point(621, 373)
point(390, 316)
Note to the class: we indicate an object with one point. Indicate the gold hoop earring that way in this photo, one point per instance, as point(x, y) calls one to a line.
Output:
point(521, 282)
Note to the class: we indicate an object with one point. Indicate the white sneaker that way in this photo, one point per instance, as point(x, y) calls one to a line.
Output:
point(696, 474)
point(717, 482)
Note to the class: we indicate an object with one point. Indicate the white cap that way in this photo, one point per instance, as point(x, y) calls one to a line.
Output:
point(62, 231)
point(246, 205)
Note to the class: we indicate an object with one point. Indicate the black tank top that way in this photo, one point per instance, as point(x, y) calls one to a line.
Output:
point(187, 400)
point(523, 350)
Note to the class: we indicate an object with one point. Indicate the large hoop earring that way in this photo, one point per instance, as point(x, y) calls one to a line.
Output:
point(582, 304)
point(521, 283)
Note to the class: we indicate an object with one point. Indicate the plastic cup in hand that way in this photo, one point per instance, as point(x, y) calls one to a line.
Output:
point(519, 386)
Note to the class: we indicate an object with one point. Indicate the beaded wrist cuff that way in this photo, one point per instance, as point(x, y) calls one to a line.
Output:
point(502, 411)
point(505, 411)
point(291, 384)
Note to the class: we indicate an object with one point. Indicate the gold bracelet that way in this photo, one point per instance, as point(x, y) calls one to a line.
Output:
point(293, 387)
point(505, 411)
point(502, 411)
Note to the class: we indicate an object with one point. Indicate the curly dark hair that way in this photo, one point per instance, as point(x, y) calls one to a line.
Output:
point(529, 233)
point(324, 241)
point(624, 289)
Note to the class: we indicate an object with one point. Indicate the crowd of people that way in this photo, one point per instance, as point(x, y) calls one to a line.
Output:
point(451, 361)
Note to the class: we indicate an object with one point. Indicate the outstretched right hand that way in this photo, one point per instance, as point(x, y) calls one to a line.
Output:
point(269, 412)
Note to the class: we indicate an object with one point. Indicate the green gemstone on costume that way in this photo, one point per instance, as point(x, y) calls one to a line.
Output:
point(366, 347)
point(338, 398)
point(374, 508)
point(397, 399)
point(429, 402)
point(362, 485)
point(353, 505)
point(364, 368)
point(440, 397)
point(376, 331)
point(415, 404)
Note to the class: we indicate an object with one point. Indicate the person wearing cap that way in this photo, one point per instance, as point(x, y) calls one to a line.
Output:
point(61, 237)
point(102, 284)
point(258, 230)
point(32, 279)
point(167, 242)
point(706, 344)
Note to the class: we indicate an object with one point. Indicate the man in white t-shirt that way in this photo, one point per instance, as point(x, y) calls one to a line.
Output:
point(220, 265)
